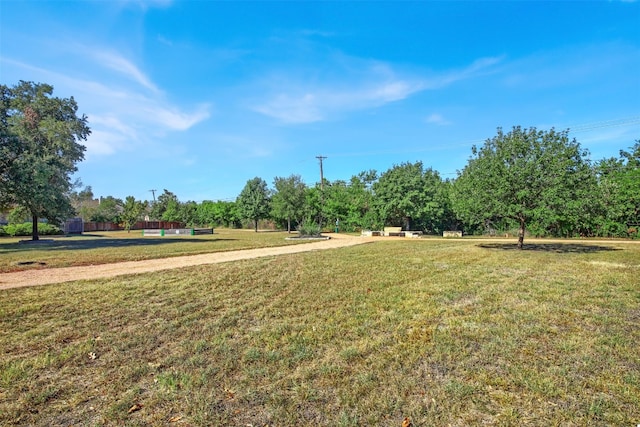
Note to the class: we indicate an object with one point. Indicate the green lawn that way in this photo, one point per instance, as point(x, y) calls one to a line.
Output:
point(114, 246)
point(443, 332)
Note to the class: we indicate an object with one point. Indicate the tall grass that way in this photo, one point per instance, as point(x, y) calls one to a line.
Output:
point(442, 332)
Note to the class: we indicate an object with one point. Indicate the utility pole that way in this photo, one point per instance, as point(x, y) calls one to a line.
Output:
point(321, 158)
point(154, 195)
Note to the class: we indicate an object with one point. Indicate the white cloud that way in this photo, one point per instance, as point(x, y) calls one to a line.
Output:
point(174, 119)
point(362, 85)
point(438, 119)
point(121, 116)
point(118, 63)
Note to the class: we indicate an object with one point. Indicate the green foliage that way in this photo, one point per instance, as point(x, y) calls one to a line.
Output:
point(83, 203)
point(188, 213)
point(309, 228)
point(253, 201)
point(528, 176)
point(218, 213)
point(132, 210)
point(39, 150)
point(26, 229)
point(108, 210)
point(167, 200)
point(18, 215)
point(287, 203)
point(619, 184)
point(409, 195)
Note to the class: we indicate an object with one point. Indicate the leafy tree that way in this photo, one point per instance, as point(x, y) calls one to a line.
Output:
point(217, 213)
point(159, 207)
point(361, 213)
point(619, 185)
point(108, 210)
point(39, 149)
point(411, 196)
point(188, 213)
point(172, 210)
point(132, 210)
point(336, 201)
point(525, 175)
point(253, 201)
point(83, 203)
point(313, 204)
point(287, 202)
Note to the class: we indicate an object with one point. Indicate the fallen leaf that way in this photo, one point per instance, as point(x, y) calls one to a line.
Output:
point(175, 419)
point(93, 356)
point(406, 422)
point(229, 393)
point(134, 408)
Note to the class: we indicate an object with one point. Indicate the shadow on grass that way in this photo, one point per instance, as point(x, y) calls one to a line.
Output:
point(561, 248)
point(97, 243)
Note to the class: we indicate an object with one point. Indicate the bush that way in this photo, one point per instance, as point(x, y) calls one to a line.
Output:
point(309, 228)
point(25, 229)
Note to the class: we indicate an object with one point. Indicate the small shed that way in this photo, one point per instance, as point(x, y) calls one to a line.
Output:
point(73, 226)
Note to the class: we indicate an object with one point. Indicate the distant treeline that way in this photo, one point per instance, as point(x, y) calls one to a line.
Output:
point(525, 178)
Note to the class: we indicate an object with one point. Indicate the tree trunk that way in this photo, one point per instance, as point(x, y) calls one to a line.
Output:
point(521, 234)
point(34, 229)
point(289, 225)
point(255, 222)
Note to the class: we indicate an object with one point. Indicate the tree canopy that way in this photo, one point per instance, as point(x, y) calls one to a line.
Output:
point(411, 196)
point(287, 202)
point(253, 201)
point(39, 148)
point(524, 175)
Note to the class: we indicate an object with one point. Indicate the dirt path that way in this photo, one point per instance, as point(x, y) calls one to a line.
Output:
point(66, 274)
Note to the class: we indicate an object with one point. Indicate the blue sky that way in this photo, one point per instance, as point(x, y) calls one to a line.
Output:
point(198, 97)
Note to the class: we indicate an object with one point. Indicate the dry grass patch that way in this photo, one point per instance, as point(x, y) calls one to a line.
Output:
point(446, 333)
point(109, 247)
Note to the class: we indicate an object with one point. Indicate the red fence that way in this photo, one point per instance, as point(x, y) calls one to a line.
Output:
point(140, 225)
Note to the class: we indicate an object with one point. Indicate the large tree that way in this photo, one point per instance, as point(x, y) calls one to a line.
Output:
point(253, 201)
point(287, 202)
point(39, 149)
point(619, 183)
point(411, 196)
point(166, 201)
point(525, 175)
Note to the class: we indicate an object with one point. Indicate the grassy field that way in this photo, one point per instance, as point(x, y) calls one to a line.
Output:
point(114, 246)
point(444, 332)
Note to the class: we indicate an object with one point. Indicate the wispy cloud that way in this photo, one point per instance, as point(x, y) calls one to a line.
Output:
point(146, 4)
point(122, 115)
point(438, 119)
point(120, 64)
point(363, 85)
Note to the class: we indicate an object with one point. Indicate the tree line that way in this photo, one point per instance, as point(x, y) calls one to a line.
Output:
point(524, 181)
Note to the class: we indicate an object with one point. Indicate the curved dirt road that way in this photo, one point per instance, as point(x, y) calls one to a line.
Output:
point(26, 278)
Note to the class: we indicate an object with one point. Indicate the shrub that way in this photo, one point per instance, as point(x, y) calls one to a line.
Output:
point(309, 228)
point(25, 229)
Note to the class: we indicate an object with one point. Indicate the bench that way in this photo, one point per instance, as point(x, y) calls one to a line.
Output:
point(452, 234)
point(393, 231)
